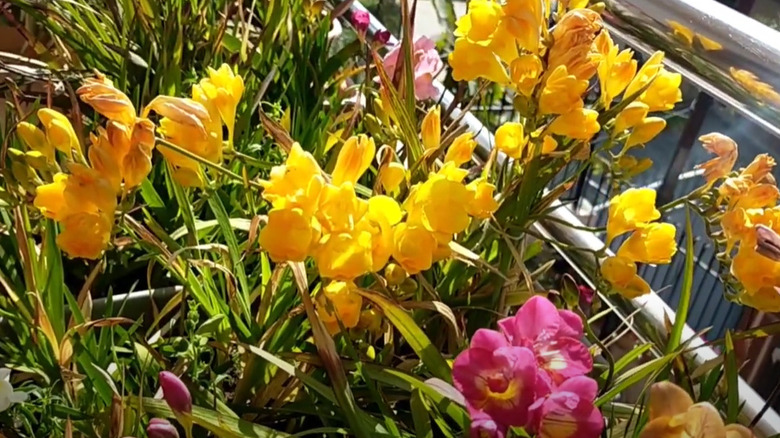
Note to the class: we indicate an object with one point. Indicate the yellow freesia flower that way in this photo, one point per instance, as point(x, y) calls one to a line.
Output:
point(345, 302)
point(354, 159)
point(674, 415)
point(580, 124)
point(100, 94)
point(646, 73)
point(391, 176)
point(123, 152)
point(383, 214)
point(753, 85)
point(480, 22)
point(621, 273)
point(653, 244)
point(549, 144)
point(525, 72)
point(224, 89)
point(632, 115)
point(573, 38)
point(395, 275)
point(562, 92)
point(759, 168)
point(288, 236)
point(85, 235)
point(524, 20)
point(461, 149)
point(35, 140)
point(682, 32)
point(738, 225)
point(344, 255)
point(59, 131)
point(298, 182)
point(470, 61)
point(503, 44)
point(50, 198)
point(339, 208)
point(758, 196)
point(482, 204)
point(630, 210)
point(664, 92)
point(615, 69)
point(431, 129)
point(443, 204)
point(413, 247)
point(511, 139)
point(726, 151)
point(645, 131)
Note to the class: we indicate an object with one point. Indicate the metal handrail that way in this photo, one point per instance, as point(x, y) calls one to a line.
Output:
point(653, 311)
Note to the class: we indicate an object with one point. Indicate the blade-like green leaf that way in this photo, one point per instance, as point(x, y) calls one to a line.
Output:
point(681, 314)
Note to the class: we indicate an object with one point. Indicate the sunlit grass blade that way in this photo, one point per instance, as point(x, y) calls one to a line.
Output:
point(683, 305)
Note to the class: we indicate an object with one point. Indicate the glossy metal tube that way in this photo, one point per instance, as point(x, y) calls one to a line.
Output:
point(730, 56)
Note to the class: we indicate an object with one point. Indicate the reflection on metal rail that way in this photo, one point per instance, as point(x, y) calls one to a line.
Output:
point(652, 309)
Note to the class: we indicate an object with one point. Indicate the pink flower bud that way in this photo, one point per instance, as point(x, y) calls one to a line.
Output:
point(160, 428)
point(175, 393)
point(382, 37)
point(360, 20)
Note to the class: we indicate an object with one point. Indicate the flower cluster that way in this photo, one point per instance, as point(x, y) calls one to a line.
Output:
point(750, 202)
point(531, 374)
point(650, 242)
point(83, 198)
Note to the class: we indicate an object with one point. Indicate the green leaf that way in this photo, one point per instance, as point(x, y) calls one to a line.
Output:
point(447, 405)
point(53, 290)
point(633, 376)
point(223, 426)
point(683, 305)
point(236, 223)
point(420, 417)
point(732, 381)
point(414, 335)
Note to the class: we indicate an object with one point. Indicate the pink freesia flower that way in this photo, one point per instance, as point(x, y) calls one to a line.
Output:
point(484, 426)
point(498, 379)
point(568, 412)
point(554, 337)
point(427, 63)
point(360, 20)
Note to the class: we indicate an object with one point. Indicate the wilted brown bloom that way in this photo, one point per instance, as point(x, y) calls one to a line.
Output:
point(726, 151)
point(573, 43)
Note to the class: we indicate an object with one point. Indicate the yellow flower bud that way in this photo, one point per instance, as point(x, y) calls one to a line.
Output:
point(395, 275)
point(391, 176)
point(562, 92)
point(431, 129)
point(461, 149)
point(482, 203)
point(581, 124)
point(549, 145)
point(632, 115)
point(525, 72)
point(354, 159)
point(35, 140)
point(649, 70)
point(645, 131)
point(371, 320)
point(288, 236)
point(511, 139)
point(621, 274)
point(59, 131)
point(339, 301)
point(630, 210)
point(85, 235)
point(224, 89)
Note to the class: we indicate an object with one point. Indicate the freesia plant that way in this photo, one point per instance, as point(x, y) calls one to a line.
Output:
point(324, 248)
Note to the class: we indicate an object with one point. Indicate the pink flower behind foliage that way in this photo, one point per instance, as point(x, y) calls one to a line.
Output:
point(553, 335)
point(427, 63)
point(568, 412)
point(360, 20)
point(484, 426)
point(497, 379)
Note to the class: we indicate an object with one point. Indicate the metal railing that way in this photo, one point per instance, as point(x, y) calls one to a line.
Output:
point(648, 313)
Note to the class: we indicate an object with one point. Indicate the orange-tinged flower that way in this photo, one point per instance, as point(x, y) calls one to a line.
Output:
point(562, 92)
point(682, 32)
point(482, 203)
point(645, 131)
point(525, 72)
point(297, 182)
point(758, 196)
point(632, 115)
point(431, 129)
point(413, 247)
point(753, 85)
point(339, 301)
point(759, 168)
point(726, 151)
point(100, 94)
point(621, 273)
point(461, 149)
point(288, 236)
point(511, 139)
point(631, 210)
point(580, 124)
point(760, 278)
point(354, 159)
point(524, 19)
point(59, 131)
point(50, 198)
point(85, 235)
point(137, 164)
point(35, 140)
point(653, 244)
point(573, 43)
point(470, 61)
